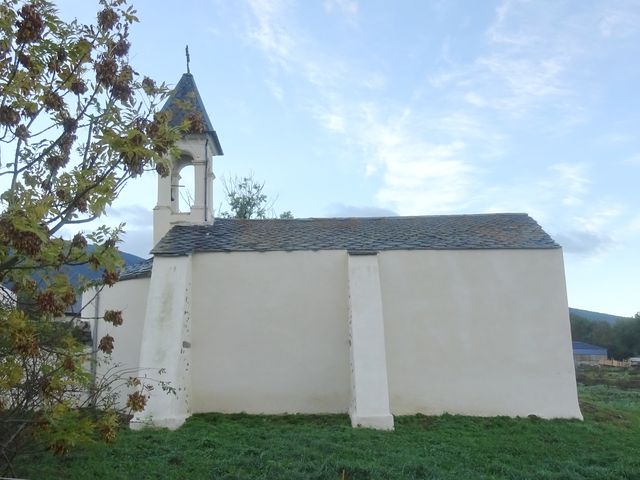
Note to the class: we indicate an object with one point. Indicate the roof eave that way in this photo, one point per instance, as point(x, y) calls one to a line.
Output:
point(216, 143)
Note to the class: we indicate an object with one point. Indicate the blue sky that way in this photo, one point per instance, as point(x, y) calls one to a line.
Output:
point(347, 107)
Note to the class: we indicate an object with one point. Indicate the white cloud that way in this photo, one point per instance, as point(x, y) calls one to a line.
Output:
point(583, 242)
point(525, 78)
point(348, 8)
point(451, 76)
point(600, 217)
point(620, 19)
point(615, 138)
point(486, 141)
point(333, 122)
point(525, 64)
point(276, 90)
point(375, 81)
point(560, 200)
point(595, 232)
point(499, 31)
point(269, 33)
point(476, 99)
point(136, 216)
point(536, 58)
point(572, 181)
point(633, 159)
point(511, 83)
point(592, 232)
point(633, 227)
point(419, 176)
point(286, 46)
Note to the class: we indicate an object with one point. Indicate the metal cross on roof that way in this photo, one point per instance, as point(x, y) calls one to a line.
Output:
point(186, 51)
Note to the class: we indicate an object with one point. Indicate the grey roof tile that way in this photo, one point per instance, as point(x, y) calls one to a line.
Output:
point(137, 270)
point(440, 232)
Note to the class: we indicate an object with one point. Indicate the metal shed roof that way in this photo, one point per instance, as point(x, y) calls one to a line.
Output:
point(582, 348)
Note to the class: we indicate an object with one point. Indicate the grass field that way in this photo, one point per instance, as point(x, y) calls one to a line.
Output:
point(605, 446)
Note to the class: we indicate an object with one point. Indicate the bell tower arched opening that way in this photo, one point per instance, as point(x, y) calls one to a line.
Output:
point(183, 185)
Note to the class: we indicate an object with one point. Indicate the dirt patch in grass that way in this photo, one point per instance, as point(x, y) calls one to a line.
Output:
point(600, 413)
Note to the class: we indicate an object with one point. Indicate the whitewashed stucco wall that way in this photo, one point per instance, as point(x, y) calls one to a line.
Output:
point(130, 297)
point(270, 332)
point(482, 332)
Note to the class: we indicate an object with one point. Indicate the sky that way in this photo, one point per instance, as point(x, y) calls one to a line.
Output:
point(371, 107)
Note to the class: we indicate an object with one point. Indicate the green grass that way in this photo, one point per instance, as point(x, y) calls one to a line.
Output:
point(605, 445)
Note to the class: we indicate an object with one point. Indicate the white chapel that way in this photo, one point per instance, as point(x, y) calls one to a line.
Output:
point(374, 317)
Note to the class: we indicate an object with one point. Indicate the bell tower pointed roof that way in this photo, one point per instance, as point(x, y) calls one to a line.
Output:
point(184, 100)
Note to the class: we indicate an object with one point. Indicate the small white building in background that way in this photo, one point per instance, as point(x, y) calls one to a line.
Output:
point(372, 316)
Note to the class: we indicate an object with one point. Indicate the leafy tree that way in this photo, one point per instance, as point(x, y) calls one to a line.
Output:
point(580, 328)
point(246, 199)
point(76, 123)
point(602, 333)
point(627, 338)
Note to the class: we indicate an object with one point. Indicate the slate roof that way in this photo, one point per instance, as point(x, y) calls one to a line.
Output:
point(185, 99)
point(137, 270)
point(441, 232)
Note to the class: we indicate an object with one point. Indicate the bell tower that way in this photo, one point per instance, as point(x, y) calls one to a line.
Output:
point(197, 150)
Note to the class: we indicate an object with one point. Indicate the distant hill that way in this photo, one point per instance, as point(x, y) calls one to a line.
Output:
point(595, 316)
point(77, 271)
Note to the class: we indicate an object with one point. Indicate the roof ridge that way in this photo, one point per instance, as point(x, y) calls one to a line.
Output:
point(443, 215)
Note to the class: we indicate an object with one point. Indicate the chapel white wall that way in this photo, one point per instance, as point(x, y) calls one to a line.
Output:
point(482, 332)
point(130, 297)
point(270, 332)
